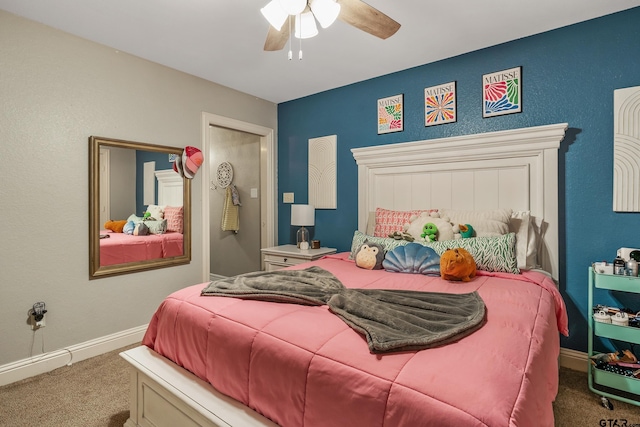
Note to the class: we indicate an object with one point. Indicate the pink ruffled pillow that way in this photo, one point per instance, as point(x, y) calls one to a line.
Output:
point(175, 218)
point(388, 221)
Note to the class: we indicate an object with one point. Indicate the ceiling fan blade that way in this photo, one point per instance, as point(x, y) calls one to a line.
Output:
point(276, 40)
point(367, 18)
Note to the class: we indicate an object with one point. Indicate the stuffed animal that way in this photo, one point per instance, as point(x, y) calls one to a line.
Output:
point(370, 256)
point(403, 235)
point(129, 227)
point(140, 229)
point(415, 226)
point(463, 231)
point(457, 264)
point(115, 226)
point(429, 232)
point(466, 230)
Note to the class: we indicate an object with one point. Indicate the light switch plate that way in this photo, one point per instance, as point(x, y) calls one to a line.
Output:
point(287, 197)
point(254, 193)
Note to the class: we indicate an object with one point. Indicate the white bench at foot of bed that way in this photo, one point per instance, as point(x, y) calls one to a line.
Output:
point(163, 394)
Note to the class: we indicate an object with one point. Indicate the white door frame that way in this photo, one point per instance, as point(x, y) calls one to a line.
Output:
point(268, 193)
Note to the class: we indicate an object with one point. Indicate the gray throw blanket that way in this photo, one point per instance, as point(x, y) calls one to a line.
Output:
point(391, 320)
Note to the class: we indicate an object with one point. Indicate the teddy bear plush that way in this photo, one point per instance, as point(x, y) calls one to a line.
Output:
point(457, 264)
point(115, 226)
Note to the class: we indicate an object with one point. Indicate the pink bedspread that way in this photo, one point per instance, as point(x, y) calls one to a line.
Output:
point(303, 366)
point(122, 248)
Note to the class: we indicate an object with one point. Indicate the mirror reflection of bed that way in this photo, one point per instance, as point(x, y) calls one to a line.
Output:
point(140, 208)
point(165, 225)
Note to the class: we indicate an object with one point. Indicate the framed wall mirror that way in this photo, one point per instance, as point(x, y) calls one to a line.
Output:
point(139, 208)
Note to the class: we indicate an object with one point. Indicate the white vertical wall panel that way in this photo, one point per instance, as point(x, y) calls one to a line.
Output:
point(626, 149)
point(149, 183)
point(323, 183)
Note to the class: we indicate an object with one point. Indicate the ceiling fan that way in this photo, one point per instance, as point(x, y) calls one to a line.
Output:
point(302, 14)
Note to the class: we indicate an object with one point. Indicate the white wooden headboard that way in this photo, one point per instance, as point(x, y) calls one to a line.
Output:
point(169, 188)
point(515, 169)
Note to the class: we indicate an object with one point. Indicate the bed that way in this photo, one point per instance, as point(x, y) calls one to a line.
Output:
point(210, 360)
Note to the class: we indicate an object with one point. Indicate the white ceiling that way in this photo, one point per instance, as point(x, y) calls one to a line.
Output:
point(222, 41)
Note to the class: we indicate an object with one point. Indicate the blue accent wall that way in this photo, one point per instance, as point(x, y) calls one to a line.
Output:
point(568, 74)
point(162, 163)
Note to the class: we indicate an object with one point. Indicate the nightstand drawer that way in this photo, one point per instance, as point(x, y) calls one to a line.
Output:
point(283, 260)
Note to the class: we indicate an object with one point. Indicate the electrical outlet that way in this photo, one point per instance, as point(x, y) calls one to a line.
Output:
point(36, 316)
point(39, 324)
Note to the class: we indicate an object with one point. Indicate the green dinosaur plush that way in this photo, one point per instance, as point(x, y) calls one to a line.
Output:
point(429, 232)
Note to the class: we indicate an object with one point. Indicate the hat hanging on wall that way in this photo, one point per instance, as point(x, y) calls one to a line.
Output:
point(188, 164)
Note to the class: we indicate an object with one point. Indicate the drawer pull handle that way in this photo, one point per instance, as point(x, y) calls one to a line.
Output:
point(285, 260)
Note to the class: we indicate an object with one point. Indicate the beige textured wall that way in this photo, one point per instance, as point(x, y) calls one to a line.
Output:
point(55, 91)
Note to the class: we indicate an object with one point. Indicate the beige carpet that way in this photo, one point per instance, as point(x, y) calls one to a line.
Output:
point(95, 393)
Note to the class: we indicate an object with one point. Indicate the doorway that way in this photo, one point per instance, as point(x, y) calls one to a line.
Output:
point(234, 219)
point(265, 189)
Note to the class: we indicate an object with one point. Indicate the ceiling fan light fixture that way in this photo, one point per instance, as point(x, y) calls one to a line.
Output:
point(293, 7)
point(306, 26)
point(275, 14)
point(325, 11)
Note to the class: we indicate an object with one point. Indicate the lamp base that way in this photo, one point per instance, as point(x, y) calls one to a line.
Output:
point(302, 238)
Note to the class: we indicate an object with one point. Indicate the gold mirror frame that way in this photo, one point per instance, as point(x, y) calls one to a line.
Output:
point(97, 271)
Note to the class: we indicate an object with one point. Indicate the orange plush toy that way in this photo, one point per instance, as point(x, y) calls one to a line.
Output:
point(115, 226)
point(457, 264)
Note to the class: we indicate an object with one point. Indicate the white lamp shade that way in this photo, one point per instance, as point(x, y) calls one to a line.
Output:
point(303, 215)
point(293, 7)
point(325, 11)
point(306, 26)
point(275, 14)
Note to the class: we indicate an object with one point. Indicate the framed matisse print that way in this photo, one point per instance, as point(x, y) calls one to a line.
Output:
point(390, 114)
point(502, 92)
point(440, 104)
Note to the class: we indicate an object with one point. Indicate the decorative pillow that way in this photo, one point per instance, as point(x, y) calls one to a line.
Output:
point(490, 253)
point(156, 227)
point(413, 258)
point(371, 223)
point(526, 228)
point(415, 228)
point(175, 218)
point(386, 242)
point(388, 221)
point(484, 222)
point(156, 212)
point(370, 256)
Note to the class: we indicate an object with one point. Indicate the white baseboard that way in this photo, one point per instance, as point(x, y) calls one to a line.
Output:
point(47, 362)
point(572, 359)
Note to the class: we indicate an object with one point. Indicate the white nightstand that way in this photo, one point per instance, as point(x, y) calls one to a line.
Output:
point(283, 256)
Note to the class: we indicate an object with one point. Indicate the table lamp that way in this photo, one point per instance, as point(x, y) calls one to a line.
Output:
point(303, 215)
